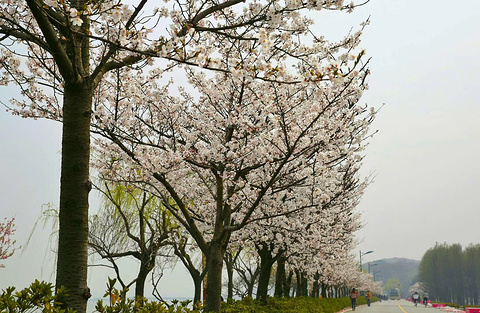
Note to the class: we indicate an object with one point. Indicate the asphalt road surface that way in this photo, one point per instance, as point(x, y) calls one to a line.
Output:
point(394, 306)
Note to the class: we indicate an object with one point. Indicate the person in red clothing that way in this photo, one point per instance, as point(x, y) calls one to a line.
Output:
point(353, 298)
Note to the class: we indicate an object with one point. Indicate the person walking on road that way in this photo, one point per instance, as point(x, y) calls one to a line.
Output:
point(369, 297)
point(353, 298)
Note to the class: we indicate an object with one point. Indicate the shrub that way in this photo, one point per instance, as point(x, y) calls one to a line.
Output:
point(39, 296)
point(290, 305)
point(119, 302)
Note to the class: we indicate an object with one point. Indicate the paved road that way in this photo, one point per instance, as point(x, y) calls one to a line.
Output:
point(394, 306)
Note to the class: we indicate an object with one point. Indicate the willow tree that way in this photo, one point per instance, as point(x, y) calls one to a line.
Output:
point(131, 224)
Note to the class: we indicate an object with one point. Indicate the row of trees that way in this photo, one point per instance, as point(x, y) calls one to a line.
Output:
point(452, 274)
point(268, 165)
point(135, 224)
point(258, 139)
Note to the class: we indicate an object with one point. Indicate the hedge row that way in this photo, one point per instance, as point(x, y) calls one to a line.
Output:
point(290, 305)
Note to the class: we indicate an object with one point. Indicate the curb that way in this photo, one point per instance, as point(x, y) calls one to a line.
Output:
point(350, 309)
point(449, 309)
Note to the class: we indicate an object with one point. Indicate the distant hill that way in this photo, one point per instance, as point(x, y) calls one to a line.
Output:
point(405, 270)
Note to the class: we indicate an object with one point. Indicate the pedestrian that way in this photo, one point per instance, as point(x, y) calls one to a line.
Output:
point(353, 298)
point(369, 297)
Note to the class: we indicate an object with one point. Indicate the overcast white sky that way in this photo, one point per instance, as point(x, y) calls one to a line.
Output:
point(425, 68)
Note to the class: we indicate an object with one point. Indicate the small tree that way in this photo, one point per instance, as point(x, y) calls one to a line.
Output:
point(183, 250)
point(247, 269)
point(132, 224)
point(7, 244)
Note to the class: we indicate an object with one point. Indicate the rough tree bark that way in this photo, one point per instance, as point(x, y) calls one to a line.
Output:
point(214, 281)
point(74, 189)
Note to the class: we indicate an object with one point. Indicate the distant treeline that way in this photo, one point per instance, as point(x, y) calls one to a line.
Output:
point(452, 274)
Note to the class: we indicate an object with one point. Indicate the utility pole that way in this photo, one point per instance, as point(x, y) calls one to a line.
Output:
point(362, 254)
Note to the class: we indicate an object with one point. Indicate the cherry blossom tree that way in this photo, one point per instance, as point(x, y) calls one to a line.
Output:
point(57, 52)
point(233, 156)
point(309, 243)
point(318, 227)
point(60, 52)
point(7, 244)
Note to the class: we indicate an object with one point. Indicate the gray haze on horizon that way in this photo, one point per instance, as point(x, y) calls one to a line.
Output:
point(425, 68)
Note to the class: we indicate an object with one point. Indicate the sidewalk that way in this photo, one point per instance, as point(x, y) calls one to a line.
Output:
point(350, 309)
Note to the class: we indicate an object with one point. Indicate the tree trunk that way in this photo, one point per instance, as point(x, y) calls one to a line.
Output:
point(197, 277)
point(230, 284)
point(324, 290)
point(280, 277)
point(251, 284)
point(301, 290)
point(229, 259)
point(214, 281)
point(288, 285)
point(197, 282)
point(74, 189)
point(141, 278)
point(316, 286)
point(266, 263)
point(304, 286)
